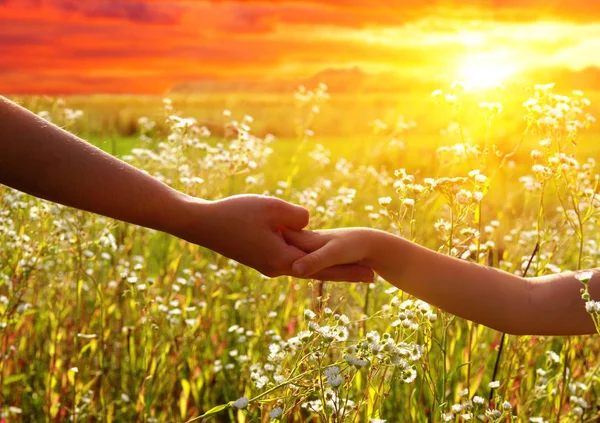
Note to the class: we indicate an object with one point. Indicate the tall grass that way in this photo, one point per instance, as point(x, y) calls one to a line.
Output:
point(100, 320)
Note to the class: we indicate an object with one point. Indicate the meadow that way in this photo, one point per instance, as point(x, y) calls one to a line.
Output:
point(105, 321)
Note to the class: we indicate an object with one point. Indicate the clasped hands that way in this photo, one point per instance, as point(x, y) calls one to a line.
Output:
point(267, 234)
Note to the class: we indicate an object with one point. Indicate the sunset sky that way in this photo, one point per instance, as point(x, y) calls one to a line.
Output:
point(83, 46)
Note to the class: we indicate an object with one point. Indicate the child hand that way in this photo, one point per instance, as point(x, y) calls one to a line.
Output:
point(327, 248)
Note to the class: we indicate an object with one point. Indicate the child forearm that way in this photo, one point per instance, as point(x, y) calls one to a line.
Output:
point(549, 305)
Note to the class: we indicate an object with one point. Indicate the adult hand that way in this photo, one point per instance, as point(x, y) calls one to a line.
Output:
point(43, 160)
point(247, 228)
point(327, 248)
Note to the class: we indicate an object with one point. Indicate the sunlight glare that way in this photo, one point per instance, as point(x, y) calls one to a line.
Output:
point(478, 72)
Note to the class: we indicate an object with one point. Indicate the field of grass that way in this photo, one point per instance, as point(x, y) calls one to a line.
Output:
point(105, 321)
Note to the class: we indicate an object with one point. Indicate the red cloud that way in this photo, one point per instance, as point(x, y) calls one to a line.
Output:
point(95, 45)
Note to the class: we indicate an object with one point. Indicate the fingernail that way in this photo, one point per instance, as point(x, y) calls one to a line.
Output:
point(299, 268)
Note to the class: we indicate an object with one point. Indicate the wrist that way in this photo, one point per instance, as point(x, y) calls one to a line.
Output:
point(374, 244)
point(388, 254)
point(186, 217)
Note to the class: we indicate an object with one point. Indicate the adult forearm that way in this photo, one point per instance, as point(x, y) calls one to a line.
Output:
point(41, 159)
point(489, 296)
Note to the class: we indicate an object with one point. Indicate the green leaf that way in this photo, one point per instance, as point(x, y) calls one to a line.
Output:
point(183, 399)
point(216, 410)
point(186, 388)
point(13, 378)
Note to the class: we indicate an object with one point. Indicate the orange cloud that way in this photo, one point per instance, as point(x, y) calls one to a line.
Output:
point(71, 46)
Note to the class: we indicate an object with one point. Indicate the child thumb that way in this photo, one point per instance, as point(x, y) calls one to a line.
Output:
point(313, 263)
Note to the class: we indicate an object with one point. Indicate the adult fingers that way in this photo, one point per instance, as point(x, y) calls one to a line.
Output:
point(281, 256)
point(291, 216)
point(345, 273)
point(307, 241)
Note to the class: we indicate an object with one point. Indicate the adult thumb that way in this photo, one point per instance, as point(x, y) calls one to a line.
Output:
point(292, 216)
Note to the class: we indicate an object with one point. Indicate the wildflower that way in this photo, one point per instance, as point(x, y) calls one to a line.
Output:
point(409, 375)
point(314, 326)
point(494, 108)
point(494, 414)
point(406, 304)
point(261, 382)
point(584, 276)
point(309, 314)
point(464, 197)
point(590, 306)
point(334, 379)
point(447, 417)
point(355, 361)
point(276, 413)
point(384, 201)
point(478, 400)
point(305, 334)
point(408, 202)
point(536, 154)
point(506, 405)
point(373, 336)
point(553, 356)
point(341, 334)
point(417, 188)
point(450, 98)
point(541, 170)
point(240, 403)
point(372, 420)
point(493, 385)
point(463, 392)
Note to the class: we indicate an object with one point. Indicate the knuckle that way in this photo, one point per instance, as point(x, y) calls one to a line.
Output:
point(273, 209)
point(304, 213)
point(274, 204)
point(270, 271)
point(274, 268)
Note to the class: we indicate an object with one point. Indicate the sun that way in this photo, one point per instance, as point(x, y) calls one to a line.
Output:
point(484, 71)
